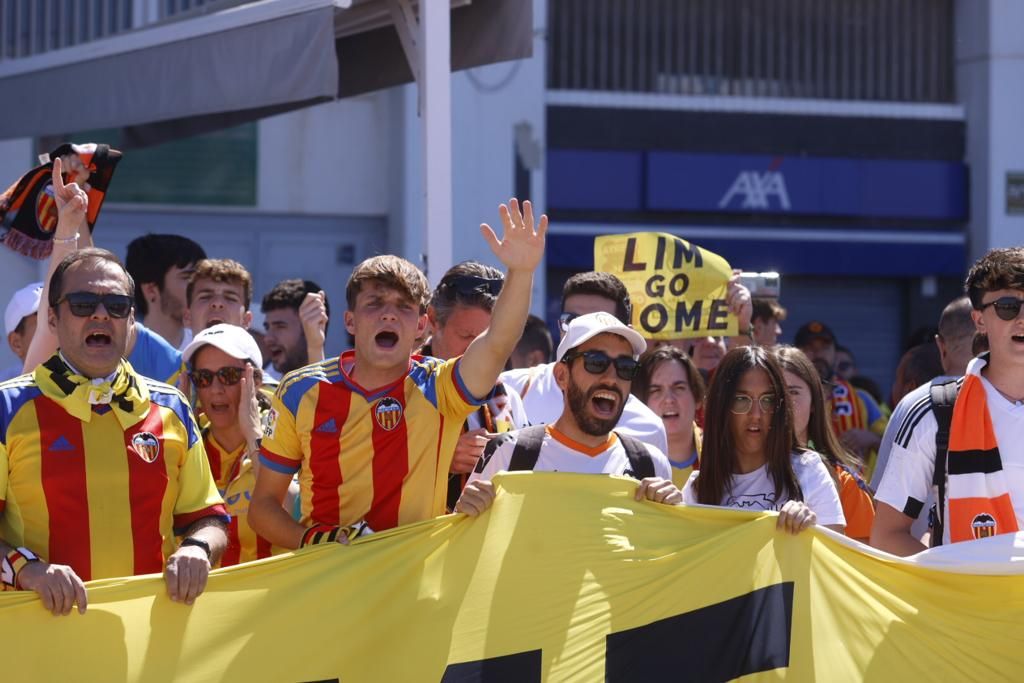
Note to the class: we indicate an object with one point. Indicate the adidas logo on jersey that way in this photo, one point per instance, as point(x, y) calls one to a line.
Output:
point(61, 444)
point(329, 427)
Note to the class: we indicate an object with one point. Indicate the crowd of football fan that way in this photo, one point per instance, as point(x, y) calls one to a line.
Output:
point(196, 441)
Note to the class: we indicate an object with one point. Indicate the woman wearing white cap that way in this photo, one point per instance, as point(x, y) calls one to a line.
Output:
point(224, 363)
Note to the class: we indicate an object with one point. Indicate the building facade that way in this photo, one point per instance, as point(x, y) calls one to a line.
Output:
point(867, 151)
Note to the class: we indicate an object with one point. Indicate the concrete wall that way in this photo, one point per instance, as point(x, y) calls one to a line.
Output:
point(990, 84)
point(487, 105)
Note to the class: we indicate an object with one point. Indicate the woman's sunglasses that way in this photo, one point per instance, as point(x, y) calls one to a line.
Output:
point(84, 304)
point(228, 375)
point(596, 362)
point(1006, 307)
point(743, 404)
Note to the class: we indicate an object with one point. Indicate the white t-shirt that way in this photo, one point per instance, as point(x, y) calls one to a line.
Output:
point(506, 409)
point(907, 481)
point(756, 491)
point(544, 404)
point(559, 453)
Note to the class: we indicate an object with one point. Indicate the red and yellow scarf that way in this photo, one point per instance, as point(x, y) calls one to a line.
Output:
point(979, 501)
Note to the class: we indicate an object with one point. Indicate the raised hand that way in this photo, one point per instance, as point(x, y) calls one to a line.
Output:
point(313, 314)
point(72, 202)
point(522, 244)
point(249, 409)
point(739, 302)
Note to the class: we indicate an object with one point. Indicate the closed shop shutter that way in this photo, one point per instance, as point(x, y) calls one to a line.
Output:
point(866, 315)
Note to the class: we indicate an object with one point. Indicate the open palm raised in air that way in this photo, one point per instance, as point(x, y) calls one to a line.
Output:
point(521, 246)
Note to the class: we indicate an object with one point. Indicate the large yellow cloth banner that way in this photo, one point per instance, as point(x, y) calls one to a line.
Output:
point(566, 578)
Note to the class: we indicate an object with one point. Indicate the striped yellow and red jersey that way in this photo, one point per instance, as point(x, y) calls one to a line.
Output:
point(235, 479)
point(378, 456)
point(85, 491)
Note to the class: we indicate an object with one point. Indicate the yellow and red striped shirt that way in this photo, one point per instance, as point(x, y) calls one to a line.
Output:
point(378, 456)
point(103, 490)
point(233, 473)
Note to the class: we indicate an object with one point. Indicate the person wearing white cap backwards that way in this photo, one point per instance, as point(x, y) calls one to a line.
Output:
point(224, 363)
point(20, 325)
point(596, 363)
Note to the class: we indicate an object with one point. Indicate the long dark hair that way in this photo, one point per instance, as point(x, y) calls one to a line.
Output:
point(819, 429)
point(718, 455)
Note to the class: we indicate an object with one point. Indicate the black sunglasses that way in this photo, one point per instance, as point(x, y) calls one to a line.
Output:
point(596, 362)
point(84, 304)
point(1006, 307)
point(470, 285)
point(228, 375)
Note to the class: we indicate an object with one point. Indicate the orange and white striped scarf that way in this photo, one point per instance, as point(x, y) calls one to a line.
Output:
point(979, 501)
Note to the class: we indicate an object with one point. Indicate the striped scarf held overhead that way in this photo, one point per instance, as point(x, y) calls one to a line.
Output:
point(979, 500)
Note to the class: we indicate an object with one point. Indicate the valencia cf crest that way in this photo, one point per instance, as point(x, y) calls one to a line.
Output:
point(388, 413)
point(146, 446)
point(46, 210)
point(983, 525)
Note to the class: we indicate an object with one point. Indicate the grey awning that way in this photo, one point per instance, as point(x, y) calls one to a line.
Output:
point(237, 65)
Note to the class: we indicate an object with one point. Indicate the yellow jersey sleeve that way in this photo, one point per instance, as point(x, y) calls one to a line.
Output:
point(197, 492)
point(452, 397)
point(4, 468)
point(281, 449)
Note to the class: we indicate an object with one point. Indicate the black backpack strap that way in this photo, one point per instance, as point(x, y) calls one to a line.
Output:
point(527, 450)
point(943, 397)
point(641, 464)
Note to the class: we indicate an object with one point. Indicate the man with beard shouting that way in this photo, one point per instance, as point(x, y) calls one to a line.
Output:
point(597, 360)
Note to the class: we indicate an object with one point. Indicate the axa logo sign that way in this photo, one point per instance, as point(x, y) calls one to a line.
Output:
point(758, 190)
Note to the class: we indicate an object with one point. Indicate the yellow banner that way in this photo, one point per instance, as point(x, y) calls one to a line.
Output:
point(566, 578)
point(678, 289)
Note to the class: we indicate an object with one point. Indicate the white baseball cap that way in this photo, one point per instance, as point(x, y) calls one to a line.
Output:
point(231, 339)
point(24, 302)
point(590, 325)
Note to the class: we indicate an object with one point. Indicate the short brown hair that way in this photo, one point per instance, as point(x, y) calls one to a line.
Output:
point(998, 269)
point(393, 272)
point(223, 270)
point(766, 308)
point(650, 361)
point(600, 284)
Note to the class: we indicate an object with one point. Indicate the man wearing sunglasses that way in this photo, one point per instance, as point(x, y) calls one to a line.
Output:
point(982, 493)
point(589, 292)
point(597, 361)
point(102, 471)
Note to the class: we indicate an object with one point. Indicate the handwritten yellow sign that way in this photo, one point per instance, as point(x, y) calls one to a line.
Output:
point(678, 289)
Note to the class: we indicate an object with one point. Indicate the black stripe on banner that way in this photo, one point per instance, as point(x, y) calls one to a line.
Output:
point(522, 667)
point(972, 462)
point(741, 636)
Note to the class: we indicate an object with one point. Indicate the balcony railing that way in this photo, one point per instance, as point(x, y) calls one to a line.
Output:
point(881, 50)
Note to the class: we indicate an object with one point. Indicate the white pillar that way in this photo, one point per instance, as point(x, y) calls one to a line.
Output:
point(434, 47)
point(989, 71)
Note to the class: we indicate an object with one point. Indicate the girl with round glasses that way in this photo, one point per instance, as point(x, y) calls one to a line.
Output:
point(813, 426)
point(671, 386)
point(750, 458)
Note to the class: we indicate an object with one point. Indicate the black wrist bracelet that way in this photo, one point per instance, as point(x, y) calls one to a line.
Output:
point(199, 544)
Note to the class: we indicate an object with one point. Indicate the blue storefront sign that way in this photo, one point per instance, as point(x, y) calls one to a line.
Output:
point(658, 181)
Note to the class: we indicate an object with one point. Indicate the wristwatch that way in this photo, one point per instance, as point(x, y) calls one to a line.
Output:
point(199, 544)
point(12, 563)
